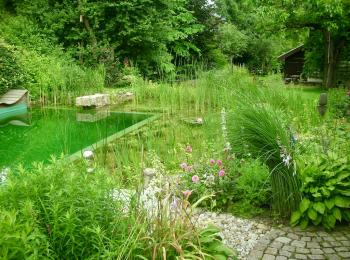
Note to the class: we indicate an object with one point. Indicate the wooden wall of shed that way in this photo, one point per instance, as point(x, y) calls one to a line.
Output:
point(294, 64)
point(343, 68)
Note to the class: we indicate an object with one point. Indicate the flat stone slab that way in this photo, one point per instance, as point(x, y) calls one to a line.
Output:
point(96, 100)
point(293, 243)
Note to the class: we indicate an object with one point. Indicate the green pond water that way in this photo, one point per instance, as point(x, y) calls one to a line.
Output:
point(35, 136)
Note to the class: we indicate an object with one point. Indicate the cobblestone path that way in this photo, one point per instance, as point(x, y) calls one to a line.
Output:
point(287, 243)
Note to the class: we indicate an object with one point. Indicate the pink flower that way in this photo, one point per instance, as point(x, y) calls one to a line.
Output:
point(187, 193)
point(219, 162)
point(188, 149)
point(221, 173)
point(195, 178)
point(212, 161)
point(183, 166)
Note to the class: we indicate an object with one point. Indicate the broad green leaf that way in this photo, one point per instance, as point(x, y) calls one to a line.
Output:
point(206, 239)
point(304, 223)
point(319, 207)
point(295, 218)
point(325, 192)
point(304, 205)
point(220, 257)
point(318, 220)
point(312, 214)
point(336, 213)
point(329, 221)
point(342, 202)
point(346, 215)
point(221, 248)
point(329, 203)
point(345, 192)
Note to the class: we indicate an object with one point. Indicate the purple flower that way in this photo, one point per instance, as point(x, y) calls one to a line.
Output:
point(187, 193)
point(222, 173)
point(219, 162)
point(183, 166)
point(195, 178)
point(212, 161)
point(188, 149)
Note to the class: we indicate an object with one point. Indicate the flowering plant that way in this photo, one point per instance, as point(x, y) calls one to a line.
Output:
point(207, 176)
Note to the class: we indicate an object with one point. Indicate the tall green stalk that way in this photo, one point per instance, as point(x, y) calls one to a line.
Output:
point(259, 130)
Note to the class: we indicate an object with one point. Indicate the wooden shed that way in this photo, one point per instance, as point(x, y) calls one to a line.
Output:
point(293, 60)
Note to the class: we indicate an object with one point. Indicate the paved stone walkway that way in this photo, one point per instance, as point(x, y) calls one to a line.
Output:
point(287, 243)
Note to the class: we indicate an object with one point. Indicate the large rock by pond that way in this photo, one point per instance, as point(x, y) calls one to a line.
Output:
point(96, 100)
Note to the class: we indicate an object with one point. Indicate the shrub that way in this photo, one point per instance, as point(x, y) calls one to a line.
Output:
point(61, 212)
point(33, 60)
point(258, 129)
point(208, 177)
point(252, 189)
point(325, 189)
point(11, 73)
point(339, 104)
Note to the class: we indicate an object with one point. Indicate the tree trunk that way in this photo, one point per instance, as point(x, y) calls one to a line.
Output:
point(93, 40)
point(330, 61)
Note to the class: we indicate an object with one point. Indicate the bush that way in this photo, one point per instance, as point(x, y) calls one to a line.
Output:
point(252, 189)
point(11, 73)
point(259, 130)
point(325, 189)
point(339, 102)
point(208, 177)
point(34, 61)
point(61, 212)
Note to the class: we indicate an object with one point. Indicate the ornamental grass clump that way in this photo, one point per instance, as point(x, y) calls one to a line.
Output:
point(258, 130)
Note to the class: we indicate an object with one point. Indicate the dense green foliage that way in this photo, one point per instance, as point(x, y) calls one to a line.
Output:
point(260, 130)
point(327, 24)
point(326, 184)
point(147, 33)
point(11, 74)
point(61, 212)
point(49, 73)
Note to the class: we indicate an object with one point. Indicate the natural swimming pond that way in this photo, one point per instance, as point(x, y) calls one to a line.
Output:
point(37, 135)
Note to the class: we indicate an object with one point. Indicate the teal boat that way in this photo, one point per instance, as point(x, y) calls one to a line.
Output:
point(13, 107)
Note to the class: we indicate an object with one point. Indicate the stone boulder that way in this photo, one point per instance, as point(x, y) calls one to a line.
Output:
point(96, 100)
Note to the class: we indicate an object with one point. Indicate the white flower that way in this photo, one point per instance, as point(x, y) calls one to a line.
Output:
point(3, 175)
point(199, 120)
point(90, 170)
point(88, 154)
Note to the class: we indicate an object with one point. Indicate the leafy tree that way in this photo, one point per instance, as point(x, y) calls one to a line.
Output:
point(249, 23)
point(326, 21)
point(231, 41)
point(146, 32)
point(205, 13)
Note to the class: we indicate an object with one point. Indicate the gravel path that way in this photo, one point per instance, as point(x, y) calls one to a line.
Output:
point(253, 239)
point(237, 233)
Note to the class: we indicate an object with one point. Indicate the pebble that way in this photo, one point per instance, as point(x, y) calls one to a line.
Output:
point(237, 233)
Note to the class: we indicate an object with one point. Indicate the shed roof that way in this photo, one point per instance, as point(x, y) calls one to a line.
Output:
point(285, 55)
point(12, 96)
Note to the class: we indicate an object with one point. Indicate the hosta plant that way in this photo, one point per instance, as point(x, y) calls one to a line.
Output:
point(326, 191)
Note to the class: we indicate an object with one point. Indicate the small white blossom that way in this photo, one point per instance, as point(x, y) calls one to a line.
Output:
point(3, 175)
point(88, 154)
